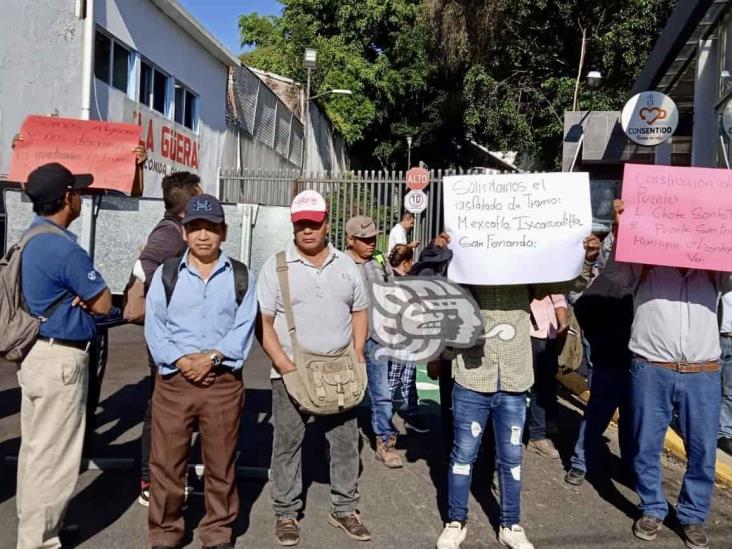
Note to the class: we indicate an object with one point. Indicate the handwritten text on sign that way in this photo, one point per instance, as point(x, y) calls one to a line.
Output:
point(517, 228)
point(679, 217)
point(103, 149)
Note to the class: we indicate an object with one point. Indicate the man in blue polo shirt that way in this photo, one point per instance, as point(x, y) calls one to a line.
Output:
point(61, 286)
point(199, 327)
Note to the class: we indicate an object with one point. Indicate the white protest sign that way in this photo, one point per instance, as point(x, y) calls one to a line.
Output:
point(517, 228)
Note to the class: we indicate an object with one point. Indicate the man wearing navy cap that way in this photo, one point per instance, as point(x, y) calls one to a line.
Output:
point(60, 286)
point(199, 323)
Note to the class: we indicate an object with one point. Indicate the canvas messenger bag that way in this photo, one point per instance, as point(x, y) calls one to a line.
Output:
point(321, 384)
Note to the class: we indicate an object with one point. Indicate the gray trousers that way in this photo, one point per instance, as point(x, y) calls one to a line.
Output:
point(341, 430)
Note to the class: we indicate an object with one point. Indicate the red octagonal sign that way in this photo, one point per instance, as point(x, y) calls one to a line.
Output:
point(418, 179)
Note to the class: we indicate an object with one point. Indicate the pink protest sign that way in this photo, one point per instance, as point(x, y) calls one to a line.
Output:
point(679, 217)
point(104, 149)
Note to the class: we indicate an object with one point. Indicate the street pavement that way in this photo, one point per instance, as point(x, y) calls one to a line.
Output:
point(403, 508)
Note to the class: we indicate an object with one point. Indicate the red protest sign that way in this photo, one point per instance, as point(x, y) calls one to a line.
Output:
point(679, 217)
point(418, 179)
point(104, 149)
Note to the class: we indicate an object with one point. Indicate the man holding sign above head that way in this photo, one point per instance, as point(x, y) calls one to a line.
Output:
point(514, 237)
point(675, 371)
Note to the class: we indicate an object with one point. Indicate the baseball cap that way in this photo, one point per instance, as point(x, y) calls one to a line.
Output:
point(52, 181)
point(308, 206)
point(361, 226)
point(204, 206)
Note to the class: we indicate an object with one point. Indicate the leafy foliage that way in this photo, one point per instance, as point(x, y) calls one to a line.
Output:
point(497, 72)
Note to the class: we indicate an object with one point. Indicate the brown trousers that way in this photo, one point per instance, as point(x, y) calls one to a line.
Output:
point(176, 404)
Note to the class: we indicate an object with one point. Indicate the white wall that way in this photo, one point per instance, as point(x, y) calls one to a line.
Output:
point(140, 25)
point(326, 150)
point(40, 64)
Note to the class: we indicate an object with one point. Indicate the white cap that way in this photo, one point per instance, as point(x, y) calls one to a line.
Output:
point(308, 206)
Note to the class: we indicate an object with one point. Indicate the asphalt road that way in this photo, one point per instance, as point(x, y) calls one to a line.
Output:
point(403, 508)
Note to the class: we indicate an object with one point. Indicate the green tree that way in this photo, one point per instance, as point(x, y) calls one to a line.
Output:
point(518, 61)
point(374, 48)
point(446, 72)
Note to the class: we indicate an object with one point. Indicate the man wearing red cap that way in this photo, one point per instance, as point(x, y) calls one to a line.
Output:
point(330, 312)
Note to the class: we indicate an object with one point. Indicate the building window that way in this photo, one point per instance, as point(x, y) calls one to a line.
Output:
point(102, 56)
point(111, 62)
point(186, 107)
point(153, 87)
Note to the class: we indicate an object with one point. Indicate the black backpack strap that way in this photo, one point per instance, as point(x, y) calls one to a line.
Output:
point(171, 267)
point(241, 279)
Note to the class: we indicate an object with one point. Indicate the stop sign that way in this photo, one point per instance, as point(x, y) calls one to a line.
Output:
point(418, 179)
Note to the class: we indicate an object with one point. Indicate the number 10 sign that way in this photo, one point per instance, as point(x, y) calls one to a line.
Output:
point(415, 202)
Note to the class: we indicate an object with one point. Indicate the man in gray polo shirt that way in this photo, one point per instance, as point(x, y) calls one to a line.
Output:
point(330, 308)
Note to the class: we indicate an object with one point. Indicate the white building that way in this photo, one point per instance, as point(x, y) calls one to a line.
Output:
point(142, 61)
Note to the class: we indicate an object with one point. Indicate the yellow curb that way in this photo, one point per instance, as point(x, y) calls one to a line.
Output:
point(675, 446)
point(672, 443)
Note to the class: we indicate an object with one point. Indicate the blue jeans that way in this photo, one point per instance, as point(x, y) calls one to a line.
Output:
point(471, 411)
point(608, 390)
point(543, 405)
point(379, 393)
point(656, 393)
point(725, 417)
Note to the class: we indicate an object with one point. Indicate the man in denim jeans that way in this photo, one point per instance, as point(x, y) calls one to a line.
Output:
point(675, 372)
point(605, 314)
point(725, 419)
point(492, 381)
point(361, 233)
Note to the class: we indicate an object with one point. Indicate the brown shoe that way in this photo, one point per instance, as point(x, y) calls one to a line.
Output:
point(386, 452)
point(287, 532)
point(544, 447)
point(352, 525)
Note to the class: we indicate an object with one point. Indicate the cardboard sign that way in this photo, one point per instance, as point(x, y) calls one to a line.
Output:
point(104, 149)
point(678, 217)
point(517, 228)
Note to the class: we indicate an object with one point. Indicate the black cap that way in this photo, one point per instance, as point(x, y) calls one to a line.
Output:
point(204, 206)
point(52, 181)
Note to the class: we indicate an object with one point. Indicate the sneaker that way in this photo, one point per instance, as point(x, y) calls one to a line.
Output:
point(725, 444)
point(647, 527)
point(416, 424)
point(514, 537)
point(452, 536)
point(287, 531)
point(386, 453)
point(694, 536)
point(574, 476)
point(352, 525)
point(144, 497)
point(544, 447)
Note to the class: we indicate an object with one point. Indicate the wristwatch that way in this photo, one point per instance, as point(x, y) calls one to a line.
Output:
point(216, 360)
